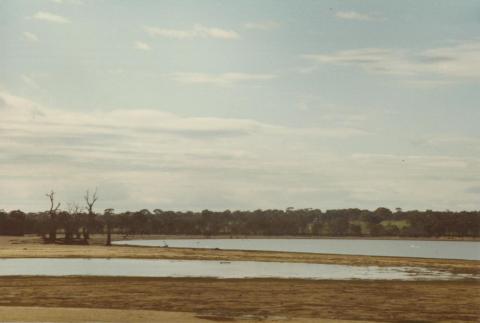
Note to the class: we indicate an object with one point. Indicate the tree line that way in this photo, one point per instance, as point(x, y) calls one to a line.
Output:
point(76, 223)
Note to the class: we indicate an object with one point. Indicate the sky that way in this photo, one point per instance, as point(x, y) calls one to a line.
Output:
point(254, 104)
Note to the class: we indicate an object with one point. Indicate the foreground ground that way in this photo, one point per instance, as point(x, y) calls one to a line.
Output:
point(234, 299)
point(115, 299)
point(81, 315)
point(31, 247)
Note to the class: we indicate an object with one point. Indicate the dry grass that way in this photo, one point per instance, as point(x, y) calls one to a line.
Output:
point(229, 299)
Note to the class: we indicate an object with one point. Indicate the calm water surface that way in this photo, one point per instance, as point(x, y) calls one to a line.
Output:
point(399, 248)
point(214, 269)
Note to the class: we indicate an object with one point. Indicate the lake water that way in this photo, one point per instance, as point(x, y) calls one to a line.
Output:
point(214, 269)
point(398, 248)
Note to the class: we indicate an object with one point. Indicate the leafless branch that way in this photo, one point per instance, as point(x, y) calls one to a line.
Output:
point(90, 200)
point(51, 196)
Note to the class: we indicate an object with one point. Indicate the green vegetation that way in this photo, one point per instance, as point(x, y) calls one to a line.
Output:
point(398, 223)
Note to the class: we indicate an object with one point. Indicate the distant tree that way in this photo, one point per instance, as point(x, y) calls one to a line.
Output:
point(355, 230)
point(72, 222)
point(108, 215)
point(12, 223)
point(376, 230)
point(338, 225)
point(383, 213)
point(52, 236)
point(90, 218)
point(391, 230)
point(340, 222)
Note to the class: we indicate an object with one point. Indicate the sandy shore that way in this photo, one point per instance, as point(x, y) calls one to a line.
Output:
point(31, 247)
point(83, 315)
point(230, 299)
point(164, 237)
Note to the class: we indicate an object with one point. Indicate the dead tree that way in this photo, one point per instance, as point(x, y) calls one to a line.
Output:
point(90, 200)
point(52, 237)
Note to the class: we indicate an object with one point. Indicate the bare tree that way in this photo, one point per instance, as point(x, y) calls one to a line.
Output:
point(53, 214)
point(90, 200)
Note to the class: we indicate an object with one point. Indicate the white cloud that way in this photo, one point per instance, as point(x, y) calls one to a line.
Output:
point(198, 31)
point(30, 36)
point(152, 156)
point(21, 113)
point(150, 159)
point(262, 25)
point(353, 15)
point(141, 46)
point(50, 17)
point(224, 79)
point(461, 60)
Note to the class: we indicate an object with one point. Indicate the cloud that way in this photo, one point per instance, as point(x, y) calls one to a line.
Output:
point(30, 36)
point(473, 190)
point(30, 81)
point(74, 2)
point(198, 31)
point(457, 144)
point(50, 17)
point(353, 15)
point(461, 60)
point(224, 79)
point(20, 113)
point(418, 162)
point(262, 25)
point(155, 159)
point(141, 46)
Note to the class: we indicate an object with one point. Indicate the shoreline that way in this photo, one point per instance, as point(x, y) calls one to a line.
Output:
point(203, 237)
point(32, 247)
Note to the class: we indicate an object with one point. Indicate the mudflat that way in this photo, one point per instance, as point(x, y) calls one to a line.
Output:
point(251, 299)
point(32, 247)
point(82, 315)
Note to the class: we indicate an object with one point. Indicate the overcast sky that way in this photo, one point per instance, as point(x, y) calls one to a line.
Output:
point(240, 104)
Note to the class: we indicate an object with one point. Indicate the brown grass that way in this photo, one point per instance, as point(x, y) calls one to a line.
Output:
point(225, 299)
